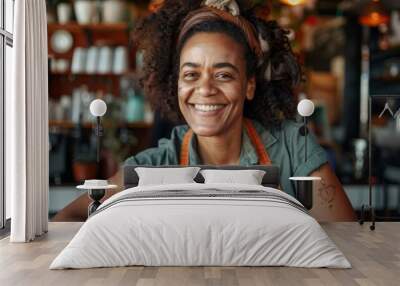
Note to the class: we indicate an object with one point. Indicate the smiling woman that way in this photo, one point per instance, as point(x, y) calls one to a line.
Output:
point(229, 76)
point(211, 69)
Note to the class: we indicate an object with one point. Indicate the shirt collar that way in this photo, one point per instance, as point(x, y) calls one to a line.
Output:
point(248, 154)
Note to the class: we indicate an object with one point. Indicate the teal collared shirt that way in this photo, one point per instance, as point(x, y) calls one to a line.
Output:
point(285, 147)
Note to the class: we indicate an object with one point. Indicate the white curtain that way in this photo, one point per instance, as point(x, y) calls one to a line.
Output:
point(27, 123)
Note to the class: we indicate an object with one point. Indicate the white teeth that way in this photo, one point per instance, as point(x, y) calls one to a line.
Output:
point(207, 107)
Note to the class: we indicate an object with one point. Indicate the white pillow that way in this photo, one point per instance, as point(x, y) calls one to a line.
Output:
point(162, 176)
point(248, 177)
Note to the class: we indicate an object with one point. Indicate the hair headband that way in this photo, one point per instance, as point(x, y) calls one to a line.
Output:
point(226, 10)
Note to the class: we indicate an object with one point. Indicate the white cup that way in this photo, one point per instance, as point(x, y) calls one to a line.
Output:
point(85, 11)
point(53, 65)
point(78, 60)
point(120, 64)
point(66, 105)
point(76, 105)
point(58, 112)
point(105, 60)
point(113, 11)
point(92, 60)
point(62, 65)
point(64, 12)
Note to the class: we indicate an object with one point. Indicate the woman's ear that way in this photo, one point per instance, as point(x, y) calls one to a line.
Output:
point(251, 88)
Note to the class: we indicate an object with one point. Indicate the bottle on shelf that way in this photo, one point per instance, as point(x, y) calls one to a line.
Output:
point(134, 110)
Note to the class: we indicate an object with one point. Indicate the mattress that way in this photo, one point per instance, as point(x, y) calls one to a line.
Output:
point(201, 225)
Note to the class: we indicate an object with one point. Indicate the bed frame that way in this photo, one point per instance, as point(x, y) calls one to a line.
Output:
point(270, 179)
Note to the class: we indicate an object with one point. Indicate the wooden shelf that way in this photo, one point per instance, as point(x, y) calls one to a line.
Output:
point(379, 55)
point(86, 36)
point(387, 79)
point(64, 83)
point(89, 35)
point(69, 125)
point(385, 85)
point(68, 74)
point(103, 27)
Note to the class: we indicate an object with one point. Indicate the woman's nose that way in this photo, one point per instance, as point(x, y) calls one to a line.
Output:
point(206, 87)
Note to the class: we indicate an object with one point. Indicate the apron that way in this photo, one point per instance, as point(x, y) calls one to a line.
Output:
point(262, 154)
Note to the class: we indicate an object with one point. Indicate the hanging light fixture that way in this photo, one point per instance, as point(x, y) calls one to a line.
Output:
point(374, 14)
point(294, 2)
point(155, 5)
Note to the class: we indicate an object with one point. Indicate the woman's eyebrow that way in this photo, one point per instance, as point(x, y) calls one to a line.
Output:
point(217, 65)
point(226, 65)
point(191, 65)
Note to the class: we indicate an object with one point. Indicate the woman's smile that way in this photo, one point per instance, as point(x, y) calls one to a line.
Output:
point(208, 107)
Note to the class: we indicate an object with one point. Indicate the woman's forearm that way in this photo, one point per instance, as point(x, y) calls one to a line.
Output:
point(330, 202)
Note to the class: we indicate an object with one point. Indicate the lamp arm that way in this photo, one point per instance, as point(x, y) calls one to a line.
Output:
point(305, 138)
point(99, 134)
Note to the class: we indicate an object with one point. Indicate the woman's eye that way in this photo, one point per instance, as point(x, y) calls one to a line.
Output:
point(190, 75)
point(223, 76)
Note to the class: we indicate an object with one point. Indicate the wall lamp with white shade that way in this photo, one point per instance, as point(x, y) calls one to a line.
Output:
point(98, 108)
point(304, 185)
point(97, 188)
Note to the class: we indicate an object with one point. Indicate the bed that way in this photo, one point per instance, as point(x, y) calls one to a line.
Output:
point(201, 224)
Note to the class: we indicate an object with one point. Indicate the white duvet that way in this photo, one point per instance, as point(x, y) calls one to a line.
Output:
point(188, 231)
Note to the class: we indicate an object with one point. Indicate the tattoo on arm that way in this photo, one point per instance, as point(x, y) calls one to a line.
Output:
point(331, 203)
point(326, 193)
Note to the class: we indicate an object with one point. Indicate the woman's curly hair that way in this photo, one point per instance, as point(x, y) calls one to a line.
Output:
point(157, 35)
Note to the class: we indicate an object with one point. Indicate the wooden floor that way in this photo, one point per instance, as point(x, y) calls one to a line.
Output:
point(375, 257)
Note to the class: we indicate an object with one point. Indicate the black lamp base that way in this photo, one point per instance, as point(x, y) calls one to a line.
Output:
point(304, 190)
point(364, 210)
point(96, 195)
point(304, 193)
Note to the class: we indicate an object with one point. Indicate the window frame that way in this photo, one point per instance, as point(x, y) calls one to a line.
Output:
point(6, 39)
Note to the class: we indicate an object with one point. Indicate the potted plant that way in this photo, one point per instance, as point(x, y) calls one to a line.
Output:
point(84, 164)
point(117, 140)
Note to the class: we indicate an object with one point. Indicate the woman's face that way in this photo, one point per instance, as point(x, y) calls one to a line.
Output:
point(213, 84)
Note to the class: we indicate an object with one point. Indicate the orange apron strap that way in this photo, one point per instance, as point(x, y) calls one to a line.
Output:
point(184, 156)
point(263, 157)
